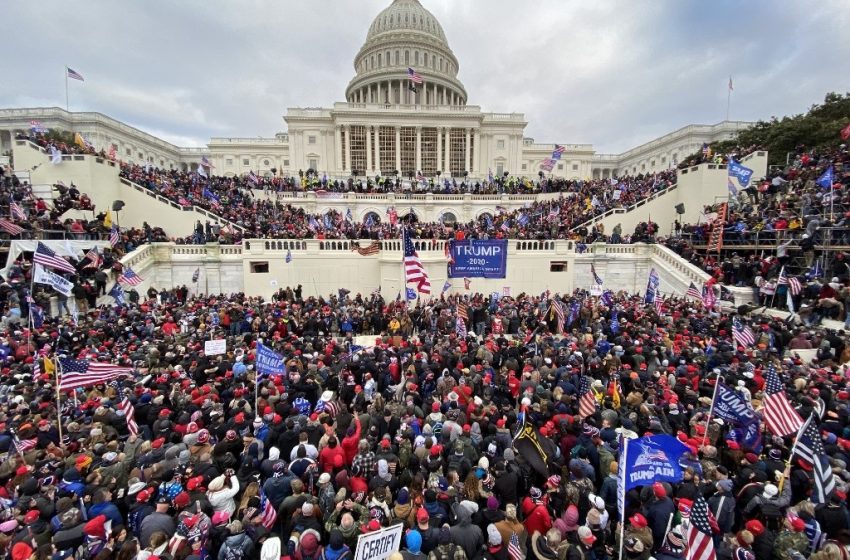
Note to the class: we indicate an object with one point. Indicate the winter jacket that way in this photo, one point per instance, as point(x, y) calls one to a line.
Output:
point(465, 534)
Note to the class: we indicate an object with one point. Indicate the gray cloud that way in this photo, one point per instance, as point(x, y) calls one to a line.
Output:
point(612, 73)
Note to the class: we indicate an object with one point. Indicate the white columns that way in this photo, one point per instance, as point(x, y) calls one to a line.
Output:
point(378, 149)
point(440, 148)
point(347, 169)
point(418, 148)
point(398, 148)
point(338, 152)
point(368, 149)
point(476, 166)
point(467, 159)
point(447, 154)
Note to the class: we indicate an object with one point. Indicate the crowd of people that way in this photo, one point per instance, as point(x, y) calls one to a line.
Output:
point(413, 426)
point(786, 224)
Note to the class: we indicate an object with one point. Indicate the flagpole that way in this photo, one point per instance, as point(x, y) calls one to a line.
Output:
point(711, 410)
point(794, 449)
point(776, 287)
point(623, 505)
point(58, 374)
point(67, 105)
point(728, 97)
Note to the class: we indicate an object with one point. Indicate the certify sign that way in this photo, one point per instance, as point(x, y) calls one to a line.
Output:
point(215, 347)
point(379, 544)
point(478, 258)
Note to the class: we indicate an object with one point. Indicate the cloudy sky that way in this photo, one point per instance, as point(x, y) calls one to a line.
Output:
point(612, 73)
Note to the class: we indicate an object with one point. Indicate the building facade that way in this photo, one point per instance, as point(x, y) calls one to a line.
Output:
point(389, 123)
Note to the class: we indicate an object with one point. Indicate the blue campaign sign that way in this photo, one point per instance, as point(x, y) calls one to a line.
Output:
point(474, 258)
point(653, 459)
point(269, 362)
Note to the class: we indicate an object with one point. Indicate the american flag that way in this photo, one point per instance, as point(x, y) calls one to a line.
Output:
point(553, 212)
point(16, 211)
point(94, 259)
point(413, 269)
point(699, 534)
point(793, 284)
point(558, 309)
point(658, 304)
point(269, 512)
point(130, 277)
point(73, 74)
point(586, 401)
point(370, 249)
point(22, 446)
point(693, 291)
point(558, 151)
point(82, 373)
point(414, 77)
point(596, 277)
point(547, 164)
point(742, 334)
point(114, 237)
point(779, 415)
point(463, 311)
point(10, 227)
point(460, 327)
point(506, 225)
point(45, 257)
point(112, 153)
point(514, 551)
point(130, 416)
point(810, 449)
point(205, 161)
point(709, 299)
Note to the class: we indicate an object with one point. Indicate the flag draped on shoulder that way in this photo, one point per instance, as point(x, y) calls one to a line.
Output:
point(535, 448)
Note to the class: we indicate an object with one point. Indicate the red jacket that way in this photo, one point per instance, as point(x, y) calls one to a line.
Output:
point(349, 443)
point(537, 519)
point(328, 455)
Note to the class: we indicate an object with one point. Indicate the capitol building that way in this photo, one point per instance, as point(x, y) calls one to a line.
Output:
point(387, 124)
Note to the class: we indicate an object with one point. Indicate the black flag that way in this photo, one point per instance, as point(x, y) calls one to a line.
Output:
point(534, 448)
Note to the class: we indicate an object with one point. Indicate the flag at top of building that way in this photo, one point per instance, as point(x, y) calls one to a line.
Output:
point(414, 272)
point(73, 74)
point(414, 77)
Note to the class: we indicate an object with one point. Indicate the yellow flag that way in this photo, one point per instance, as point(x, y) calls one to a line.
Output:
point(615, 398)
point(78, 140)
point(107, 220)
point(49, 366)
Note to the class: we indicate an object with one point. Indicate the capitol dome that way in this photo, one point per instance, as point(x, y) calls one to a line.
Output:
point(405, 35)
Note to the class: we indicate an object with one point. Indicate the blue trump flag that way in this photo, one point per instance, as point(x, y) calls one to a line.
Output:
point(825, 181)
point(732, 407)
point(268, 362)
point(651, 459)
point(740, 172)
point(410, 294)
point(118, 294)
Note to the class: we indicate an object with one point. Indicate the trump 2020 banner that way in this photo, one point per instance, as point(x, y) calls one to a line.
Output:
point(653, 459)
point(478, 258)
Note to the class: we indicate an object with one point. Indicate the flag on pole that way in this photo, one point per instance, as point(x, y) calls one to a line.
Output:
point(586, 401)
point(460, 327)
point(73, 74)
point(414, 76)
point(514, 551)
point(827, 178)
point(730, 84)
point(558, 310)
point(16, 211)
point(82, 373)
point(447, 286)
point(130, 416)
point(779, 415)
point(810, 449)
point(196, 275)
point(651, 286)
point(10, 227)
point(742, 334)
point(596, 277)
point(114, 236)
point(130, 277)
point(117, 294)
point(24, 445)
point(699, 533)
point(46, 257)
point(93, 256)
point(413, 269)
point(558, 152)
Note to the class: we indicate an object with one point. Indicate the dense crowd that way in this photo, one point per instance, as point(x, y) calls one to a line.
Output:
point(234, 199)
point(803, 225)
point(413, 427)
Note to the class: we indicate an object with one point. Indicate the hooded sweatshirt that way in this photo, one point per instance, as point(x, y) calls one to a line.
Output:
point(465, 534)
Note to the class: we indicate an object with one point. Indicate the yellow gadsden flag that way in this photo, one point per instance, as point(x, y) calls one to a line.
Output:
point(79, 140)
point(107, 220)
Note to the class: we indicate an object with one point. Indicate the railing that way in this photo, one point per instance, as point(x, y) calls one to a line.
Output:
point(56, 234)
point(176, 206)
point(625, 209)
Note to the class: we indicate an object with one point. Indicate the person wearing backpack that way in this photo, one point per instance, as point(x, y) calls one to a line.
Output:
point(446, 549)
point(238, 545)
point(336, 549)
point(496, 549)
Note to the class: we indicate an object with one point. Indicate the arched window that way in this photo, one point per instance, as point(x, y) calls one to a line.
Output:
point(379, 60)
point(407, 57)
point(375, 218)
point(424, 59)
point(416, 58)
point(448, 218)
